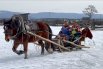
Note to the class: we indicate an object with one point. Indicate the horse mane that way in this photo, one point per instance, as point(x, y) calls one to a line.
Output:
point(7, 21)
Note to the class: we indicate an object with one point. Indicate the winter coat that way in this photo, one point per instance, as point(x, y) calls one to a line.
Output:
point(65, 31)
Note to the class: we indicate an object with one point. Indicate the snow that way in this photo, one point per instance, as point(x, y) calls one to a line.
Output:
point(84, 59)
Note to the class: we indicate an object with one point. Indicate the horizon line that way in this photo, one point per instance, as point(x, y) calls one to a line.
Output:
point(43, 12)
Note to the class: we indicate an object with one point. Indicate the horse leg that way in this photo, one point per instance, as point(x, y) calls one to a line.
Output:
point(48, 47)
point(15, 46)
point(42, 46)
point(25, 44)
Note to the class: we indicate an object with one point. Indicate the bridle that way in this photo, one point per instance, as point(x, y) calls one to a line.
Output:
point(7, 30)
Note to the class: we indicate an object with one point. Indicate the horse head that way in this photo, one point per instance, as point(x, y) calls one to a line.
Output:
point(86, 33)
point(10, 27)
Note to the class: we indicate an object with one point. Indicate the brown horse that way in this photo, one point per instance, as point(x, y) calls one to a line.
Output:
point(13, 30)
point(86, 33)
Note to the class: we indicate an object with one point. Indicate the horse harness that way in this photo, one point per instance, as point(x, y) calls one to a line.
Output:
point(23, 27)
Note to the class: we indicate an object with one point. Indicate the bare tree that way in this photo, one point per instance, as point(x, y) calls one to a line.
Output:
point(90, 11)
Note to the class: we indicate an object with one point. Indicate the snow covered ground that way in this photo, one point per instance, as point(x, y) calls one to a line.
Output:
point(85, 59)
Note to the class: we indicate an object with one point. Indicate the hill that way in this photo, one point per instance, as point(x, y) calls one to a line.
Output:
point(40, 15)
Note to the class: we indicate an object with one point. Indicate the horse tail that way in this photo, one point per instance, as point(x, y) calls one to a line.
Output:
point(50, 32)
point(50, 37)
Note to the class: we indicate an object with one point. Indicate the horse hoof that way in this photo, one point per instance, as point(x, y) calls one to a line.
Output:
point(42, 53)
point(25, 58)
point(50, 51)
point(20, 52)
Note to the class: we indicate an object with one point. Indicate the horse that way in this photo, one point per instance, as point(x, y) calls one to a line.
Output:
point(85, 33)
point(13, 29)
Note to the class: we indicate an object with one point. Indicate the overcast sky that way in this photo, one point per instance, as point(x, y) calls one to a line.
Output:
point(35, 6)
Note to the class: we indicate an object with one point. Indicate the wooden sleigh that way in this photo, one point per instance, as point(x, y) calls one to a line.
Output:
point(58, 43)
point(68, 44)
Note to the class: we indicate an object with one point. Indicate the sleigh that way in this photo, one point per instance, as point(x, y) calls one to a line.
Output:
point(70, 45)
point(59, 44)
